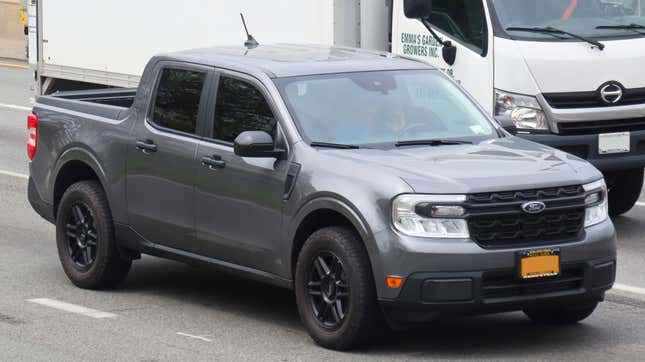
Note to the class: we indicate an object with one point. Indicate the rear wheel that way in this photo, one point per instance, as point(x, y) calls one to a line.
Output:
point(559, 315)
point(624, 190)
point(85, 238)
point(335, 289)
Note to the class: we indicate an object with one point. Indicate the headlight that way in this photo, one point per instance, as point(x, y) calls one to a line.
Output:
point(525, 111)
point(430, 216)
point(597, 210)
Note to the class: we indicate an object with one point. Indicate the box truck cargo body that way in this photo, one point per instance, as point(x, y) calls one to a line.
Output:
point(109, 42)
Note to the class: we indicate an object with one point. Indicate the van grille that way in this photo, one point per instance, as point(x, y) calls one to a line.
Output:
point(496, 220)
point(592, 99)
point(594, 127)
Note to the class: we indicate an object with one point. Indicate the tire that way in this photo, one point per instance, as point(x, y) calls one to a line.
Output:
point(560, 315)
point(626, 187)
point(91, 261)
point(354, 286)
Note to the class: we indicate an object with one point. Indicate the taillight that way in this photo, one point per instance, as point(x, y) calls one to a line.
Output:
point(32, 141)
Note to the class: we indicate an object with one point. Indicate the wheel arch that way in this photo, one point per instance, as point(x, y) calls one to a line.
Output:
point(323, 212)
point(74, 165)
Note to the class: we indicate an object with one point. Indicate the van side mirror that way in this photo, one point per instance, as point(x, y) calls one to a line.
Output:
point(449, 52)
point(507, 124)
point(256, 144)
point(417, 9)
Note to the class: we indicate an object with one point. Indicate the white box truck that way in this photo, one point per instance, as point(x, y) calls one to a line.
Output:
point(569, 73)
point(109, 42)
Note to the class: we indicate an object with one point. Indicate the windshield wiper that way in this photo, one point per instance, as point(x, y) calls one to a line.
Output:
point(333, 145)
point(552, 30)
point(433, 142)
point(632, 26)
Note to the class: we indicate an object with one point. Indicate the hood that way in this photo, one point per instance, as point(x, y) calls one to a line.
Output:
point(577, 66)
point(496, 165)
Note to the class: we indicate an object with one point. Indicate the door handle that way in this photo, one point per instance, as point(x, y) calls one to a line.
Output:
point(213, 162)
point(146, 146)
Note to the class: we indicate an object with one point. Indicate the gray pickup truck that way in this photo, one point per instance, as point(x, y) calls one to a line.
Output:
point(371, 184)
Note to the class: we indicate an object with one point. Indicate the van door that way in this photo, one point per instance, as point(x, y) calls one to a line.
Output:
point(239, 200)
point(466, 24)
point(161, 163)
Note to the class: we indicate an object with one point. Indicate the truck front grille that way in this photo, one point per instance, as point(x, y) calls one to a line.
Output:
point(496, 220)
point(594, 127)
point(592, 99)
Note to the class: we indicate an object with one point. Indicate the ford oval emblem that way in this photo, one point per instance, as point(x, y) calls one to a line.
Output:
point(533, 207)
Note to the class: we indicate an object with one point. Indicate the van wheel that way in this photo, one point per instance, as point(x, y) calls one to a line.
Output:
point(335, 289)
point(559, 315)
point(85, 238)
point(626, 187)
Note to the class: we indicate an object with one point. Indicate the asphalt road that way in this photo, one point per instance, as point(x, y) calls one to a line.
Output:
point(167, 311)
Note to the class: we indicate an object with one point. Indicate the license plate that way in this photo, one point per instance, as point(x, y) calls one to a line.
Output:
point(539, 263)
point(613, 143)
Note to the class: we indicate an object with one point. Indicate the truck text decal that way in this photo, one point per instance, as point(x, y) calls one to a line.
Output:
point(419, 45)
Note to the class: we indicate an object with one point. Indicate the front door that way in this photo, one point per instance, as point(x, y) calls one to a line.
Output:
point(239, 200)
point(465, 23)
point(161, 162)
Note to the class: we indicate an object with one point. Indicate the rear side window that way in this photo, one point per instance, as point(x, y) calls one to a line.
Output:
point(177, 100)
point(465, 20)
point(240, 107)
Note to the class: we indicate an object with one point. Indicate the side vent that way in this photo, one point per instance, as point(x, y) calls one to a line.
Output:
point(292, 174)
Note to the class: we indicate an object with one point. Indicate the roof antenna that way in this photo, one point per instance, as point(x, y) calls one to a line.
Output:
point(250, 42)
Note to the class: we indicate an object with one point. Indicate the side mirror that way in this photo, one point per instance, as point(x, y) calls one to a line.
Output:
point(256, 144)
point(417, 9)
point(507, 124)
point(449, 52)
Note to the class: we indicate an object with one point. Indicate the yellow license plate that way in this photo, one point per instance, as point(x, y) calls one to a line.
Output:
point(539, 263)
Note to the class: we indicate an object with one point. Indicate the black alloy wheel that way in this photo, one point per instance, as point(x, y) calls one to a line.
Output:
point(81, 236)
point(328, 290)
point(85, 238)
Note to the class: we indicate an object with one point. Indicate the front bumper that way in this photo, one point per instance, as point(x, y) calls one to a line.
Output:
point(586, 147)
point(427, 295)
point(456, 276)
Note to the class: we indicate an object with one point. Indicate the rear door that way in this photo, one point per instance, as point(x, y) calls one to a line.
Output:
point(239, 202)
point(161, 163)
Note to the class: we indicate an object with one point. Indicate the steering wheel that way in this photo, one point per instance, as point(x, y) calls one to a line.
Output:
point(414, 126)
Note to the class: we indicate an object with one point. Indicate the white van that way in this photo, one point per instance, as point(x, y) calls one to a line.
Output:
point(570, 73)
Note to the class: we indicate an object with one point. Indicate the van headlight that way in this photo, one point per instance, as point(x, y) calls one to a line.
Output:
point(430, 216)
point(596, 201)
point(525, 111)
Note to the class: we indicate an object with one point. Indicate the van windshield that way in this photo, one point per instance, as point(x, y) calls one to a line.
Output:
point(587, 18)
point(382, 107)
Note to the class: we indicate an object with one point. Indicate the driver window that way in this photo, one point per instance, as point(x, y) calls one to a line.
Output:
point(464, 20)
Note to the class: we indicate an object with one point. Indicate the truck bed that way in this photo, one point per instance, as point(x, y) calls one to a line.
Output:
point(108, 103)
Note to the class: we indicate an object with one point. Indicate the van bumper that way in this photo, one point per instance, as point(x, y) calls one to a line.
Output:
point(586, 147)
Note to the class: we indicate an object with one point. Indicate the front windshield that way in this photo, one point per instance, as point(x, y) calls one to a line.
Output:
point(581, 17)
point(382, 108)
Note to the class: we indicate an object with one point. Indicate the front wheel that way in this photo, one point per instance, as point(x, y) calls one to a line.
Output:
point(85, 237)
point(335, 289)
point(624, 191)
point(559, 315)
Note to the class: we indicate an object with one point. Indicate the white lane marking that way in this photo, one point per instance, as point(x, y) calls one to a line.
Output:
point(72, 308)
point(629, 288)
point(15, 107)
point(13, 174)
point(201, 338)
point(640, 204)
